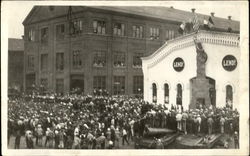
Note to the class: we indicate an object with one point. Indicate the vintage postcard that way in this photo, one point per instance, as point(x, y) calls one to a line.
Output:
point(125, 77)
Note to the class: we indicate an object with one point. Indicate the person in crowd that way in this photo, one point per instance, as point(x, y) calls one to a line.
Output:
point(159, 144)
point(56, 138)
point(49, 138)
point(113, 135)
point(39, 132)
point(184, 122)
point(28, 138)
point(17, 139)
point(210, 122)
point(108, 134)
point(110, 144)
point(236, 140)
point(61, 139)
point(124, 136)
point(198, 123)
point(222, 124)
point(195, 124)
point(131, 125)
point(94, 143)
point(100, 142)
point(117, 136)
point(77, 142)
point(178, 119)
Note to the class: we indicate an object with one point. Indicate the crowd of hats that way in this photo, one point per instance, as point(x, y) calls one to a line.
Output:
point(97, 115)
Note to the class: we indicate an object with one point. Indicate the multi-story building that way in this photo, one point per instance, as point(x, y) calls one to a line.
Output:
point(15, 64)
point(98, 47)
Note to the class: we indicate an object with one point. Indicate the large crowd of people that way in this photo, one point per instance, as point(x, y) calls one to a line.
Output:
point(105, 122)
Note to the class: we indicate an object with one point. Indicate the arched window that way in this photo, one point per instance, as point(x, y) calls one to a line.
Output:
point(154, 92)
point(179, 94)
point(166, 93)
point(229, 96)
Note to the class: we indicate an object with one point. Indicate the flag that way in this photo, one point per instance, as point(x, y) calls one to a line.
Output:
point(181, 28)
point(196, 24)
point(210, 22)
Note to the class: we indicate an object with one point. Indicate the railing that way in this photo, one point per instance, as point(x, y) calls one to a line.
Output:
point(222, 38)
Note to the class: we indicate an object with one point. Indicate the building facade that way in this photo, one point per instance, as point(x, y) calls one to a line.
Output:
point(95, 47)
point(197, 69)
point(15, 64)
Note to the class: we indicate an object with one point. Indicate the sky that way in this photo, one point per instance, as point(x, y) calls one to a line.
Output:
point(17, 11)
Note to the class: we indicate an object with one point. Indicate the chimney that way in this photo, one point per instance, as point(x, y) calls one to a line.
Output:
point(212, 14)
point(229, 17)
point(193, 10)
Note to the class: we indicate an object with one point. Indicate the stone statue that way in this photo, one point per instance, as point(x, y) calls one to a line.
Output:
point(201, 58)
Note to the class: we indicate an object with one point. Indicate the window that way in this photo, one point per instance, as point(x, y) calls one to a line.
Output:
point(59, 61)
point(137, 31)
point(138, 84)
point(154, 88)
point(44, 35)
point(99, 82)
point(119, 29)
point(31, 62)
point(229, 96)
point(179, 94)
point(154, 33)
point(119, 59)
point(76, 27)
point(119, 85)
point(31, 35)
point(44, 62)
point(44, 84)
point(99, 59)
point(170, 34)
point(59, 86)
point(77, 59)
point(77, 83)
point(99, 27)
point(137, 62)
point(60, 31)
point(166, 93)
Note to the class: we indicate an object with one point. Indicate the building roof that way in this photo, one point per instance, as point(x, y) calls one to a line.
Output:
point(15, 44)
point(173, 15)
point(165, 13)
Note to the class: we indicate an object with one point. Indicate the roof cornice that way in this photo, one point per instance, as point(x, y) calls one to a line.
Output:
point(210, 37)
